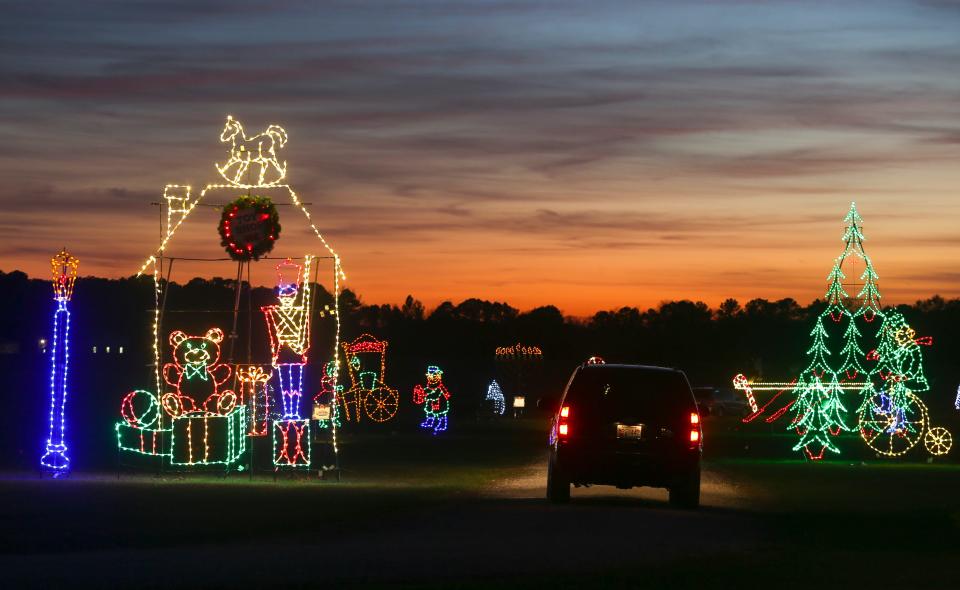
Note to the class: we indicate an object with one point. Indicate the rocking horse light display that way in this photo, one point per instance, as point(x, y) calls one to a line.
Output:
point(253, 154)
point(203, 408)
point(891, 418)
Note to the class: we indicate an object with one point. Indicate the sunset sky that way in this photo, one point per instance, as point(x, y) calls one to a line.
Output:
point(584, 154)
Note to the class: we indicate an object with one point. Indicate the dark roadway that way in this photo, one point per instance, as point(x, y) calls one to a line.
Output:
point(473, 518)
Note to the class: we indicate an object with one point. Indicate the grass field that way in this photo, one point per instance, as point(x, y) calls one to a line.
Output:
point(466, 510)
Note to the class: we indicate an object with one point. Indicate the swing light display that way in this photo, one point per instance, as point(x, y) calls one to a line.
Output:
point(252, 164)
point(64, 269)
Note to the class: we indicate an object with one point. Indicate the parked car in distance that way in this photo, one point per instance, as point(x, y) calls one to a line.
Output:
point(720, 401)
point(626, 426)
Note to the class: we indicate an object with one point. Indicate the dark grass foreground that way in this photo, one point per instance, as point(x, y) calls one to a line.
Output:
point(465, 511)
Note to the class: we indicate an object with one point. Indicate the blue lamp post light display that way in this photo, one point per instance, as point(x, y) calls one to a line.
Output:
point(64, 267)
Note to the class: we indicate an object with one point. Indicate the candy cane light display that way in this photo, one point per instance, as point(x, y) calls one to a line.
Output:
point(64, 267)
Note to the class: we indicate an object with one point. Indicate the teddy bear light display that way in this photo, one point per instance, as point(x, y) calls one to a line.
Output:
point(197, 375)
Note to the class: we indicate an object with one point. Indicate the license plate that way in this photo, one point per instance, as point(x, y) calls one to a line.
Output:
point(629, 431)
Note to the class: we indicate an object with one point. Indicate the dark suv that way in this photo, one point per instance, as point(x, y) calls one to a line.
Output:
point(625, 426)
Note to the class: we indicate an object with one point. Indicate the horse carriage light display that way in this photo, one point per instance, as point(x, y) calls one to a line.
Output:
point(367, 363)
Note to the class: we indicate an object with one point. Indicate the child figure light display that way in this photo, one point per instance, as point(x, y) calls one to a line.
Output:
point(435, 399)
point(64, 267)
point(326, 412)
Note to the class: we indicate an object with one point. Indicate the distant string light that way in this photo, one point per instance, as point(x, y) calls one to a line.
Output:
point(519, 350)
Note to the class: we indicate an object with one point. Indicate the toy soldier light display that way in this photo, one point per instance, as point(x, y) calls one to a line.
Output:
point(289, 327)
point(64, 267)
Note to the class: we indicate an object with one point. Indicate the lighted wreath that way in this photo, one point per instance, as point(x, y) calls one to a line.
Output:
point(249, 226)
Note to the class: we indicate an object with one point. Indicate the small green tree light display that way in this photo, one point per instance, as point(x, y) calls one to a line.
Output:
point(818, 412)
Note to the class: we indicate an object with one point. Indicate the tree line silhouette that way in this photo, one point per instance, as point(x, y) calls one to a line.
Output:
point(761, 338)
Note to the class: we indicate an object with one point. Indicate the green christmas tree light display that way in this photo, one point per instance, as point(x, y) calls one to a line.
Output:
point(891, 417)
point(852, 353)
point(818, 412)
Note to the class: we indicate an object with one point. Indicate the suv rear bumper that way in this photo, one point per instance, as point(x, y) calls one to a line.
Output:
point(624, 469)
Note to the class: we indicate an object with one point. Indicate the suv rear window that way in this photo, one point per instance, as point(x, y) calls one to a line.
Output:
point(613, 393)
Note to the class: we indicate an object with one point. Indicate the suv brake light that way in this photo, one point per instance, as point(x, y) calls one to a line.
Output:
point(563, 425)
point(694, 428)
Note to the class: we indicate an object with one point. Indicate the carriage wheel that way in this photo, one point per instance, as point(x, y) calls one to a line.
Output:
point(884, 435)
point(938, 441)
point(381, 404)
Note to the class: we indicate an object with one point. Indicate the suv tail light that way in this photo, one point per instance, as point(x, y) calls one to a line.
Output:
point(563, 423)
point(694, 429)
